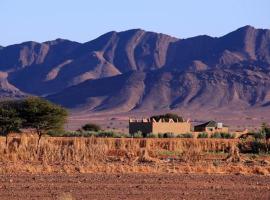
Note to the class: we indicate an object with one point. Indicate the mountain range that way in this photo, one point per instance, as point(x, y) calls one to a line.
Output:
point(138, 70)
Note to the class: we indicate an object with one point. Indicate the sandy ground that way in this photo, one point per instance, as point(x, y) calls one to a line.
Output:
point(133, 186)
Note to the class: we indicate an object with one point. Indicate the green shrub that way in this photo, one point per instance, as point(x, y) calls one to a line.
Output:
point(108, 134)
point(185, 135)
point(137, 135)
point(223, 135)
point(203, 135)
point(172, 135)
point(216, 135)
point(166, 135)
point(227, 135)
point(91, 127)
point(102, 134)
point(265, 129)
point(259, 135)
point(256, 146)
point(169, 135)
point(151, 135)
point(62, 133)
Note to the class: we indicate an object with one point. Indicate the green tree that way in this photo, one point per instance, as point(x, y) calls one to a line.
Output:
point(9, 119)
point(42, 115)
point(91, 127)
point(265, 130)
point(168, 116)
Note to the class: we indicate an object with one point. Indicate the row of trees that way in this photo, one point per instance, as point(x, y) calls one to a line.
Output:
point(34, 113)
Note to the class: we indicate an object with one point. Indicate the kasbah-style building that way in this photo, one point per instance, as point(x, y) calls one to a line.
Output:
point(161, 126)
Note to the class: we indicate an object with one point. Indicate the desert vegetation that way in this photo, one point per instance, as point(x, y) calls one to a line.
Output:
point(127, 155)
point(31, 113)
point(167, 117)
point(90, 127)
point(92, 150)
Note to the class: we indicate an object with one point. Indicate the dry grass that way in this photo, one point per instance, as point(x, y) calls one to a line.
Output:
point(108, 155)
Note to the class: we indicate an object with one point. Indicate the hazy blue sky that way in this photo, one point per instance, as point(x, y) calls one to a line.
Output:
point(83, 20)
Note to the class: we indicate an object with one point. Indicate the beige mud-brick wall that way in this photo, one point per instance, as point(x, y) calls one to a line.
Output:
point(173, 127)
point(144, 127)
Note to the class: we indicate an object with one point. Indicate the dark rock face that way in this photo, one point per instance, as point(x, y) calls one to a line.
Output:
point(136, 69)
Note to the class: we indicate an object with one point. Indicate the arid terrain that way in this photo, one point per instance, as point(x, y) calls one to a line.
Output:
point(135, 100)
point(235, 119)
point(129, 168)
point(133, 186)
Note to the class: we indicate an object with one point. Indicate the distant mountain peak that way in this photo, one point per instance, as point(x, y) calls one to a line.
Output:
point(138, 69)
point(247, 27)
point(242, 31)
point(58, 41)
point(132, 30)
point(29, 43)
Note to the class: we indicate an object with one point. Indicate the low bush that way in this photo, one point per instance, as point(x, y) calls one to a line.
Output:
point(256, 146)
point(62, 133)
point(151, 135)
point(102, 134)
point(185, 135)
point(215, 135)
point(227, 135)
point(137, 135)
point(109, 134)
point(203, 135)
point(169, 135)
point(259, 135)
point(91, 127)
point(223, 135)
point(172, 135)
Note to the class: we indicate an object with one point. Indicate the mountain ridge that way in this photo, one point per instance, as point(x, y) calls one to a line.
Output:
point(140, 70)
point(170, 90)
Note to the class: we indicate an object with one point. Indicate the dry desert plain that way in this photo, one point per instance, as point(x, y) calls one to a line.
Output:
point(250, 119)
point(129, 168)
point(133, 186)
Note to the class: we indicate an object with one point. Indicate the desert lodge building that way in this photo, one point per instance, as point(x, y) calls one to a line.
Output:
point(150, 125)
point(175, 126)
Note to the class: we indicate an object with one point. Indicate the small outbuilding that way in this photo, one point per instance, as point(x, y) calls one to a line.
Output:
point(211, 127)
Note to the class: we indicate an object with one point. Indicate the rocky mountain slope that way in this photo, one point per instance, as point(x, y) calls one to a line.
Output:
point(139, 70)
point(8, 91)
point(235, 88)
